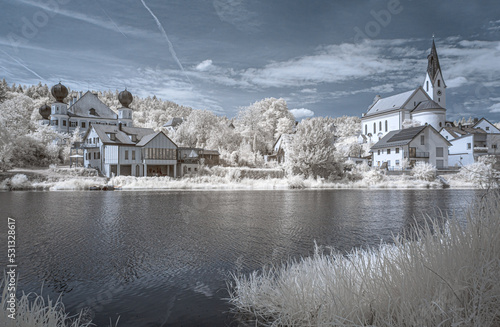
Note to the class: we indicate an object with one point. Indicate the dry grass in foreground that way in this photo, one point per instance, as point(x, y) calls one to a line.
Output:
point(33, 311)
point(439, 277)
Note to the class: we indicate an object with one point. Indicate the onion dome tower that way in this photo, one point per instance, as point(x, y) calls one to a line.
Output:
point(59, 119)
point(59, 92)
point(44, 112)
point(125, 113)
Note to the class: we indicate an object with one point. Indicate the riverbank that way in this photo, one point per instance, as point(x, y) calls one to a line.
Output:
point(442, 275)
point(63, 178)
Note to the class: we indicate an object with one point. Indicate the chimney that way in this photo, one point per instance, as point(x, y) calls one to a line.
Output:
point(476, 120)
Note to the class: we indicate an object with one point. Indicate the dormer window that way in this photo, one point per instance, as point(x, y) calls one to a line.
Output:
point(133, 137)
point(92, 112)
point(112, 136)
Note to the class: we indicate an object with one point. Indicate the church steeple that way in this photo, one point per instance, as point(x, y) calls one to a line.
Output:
point(434, 83)
point(433, 62)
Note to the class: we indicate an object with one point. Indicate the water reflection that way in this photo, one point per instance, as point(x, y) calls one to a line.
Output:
point(164, 257)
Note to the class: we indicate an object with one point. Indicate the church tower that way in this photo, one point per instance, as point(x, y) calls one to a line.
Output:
point(125, 113)
point(434, 83)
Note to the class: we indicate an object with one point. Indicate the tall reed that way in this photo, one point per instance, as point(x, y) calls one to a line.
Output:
point(440, 275)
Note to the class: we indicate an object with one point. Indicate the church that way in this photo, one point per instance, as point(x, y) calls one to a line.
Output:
point(405, 127)
point(424, 105)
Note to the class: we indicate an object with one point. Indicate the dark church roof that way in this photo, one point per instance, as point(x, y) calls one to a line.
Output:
point(399, 137)
point(433, 62)
point(426, 105)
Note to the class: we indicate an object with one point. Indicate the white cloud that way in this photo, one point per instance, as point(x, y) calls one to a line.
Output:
point(301, 113)
point(308, 90)
point(495, 108)
point(204, 65)
point(235, 13)
point(456, 82)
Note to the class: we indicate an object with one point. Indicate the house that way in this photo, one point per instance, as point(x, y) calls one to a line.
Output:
point(469, 143)
point(188, 160)
point(173, 124)
point(280, 149)
point(407, 146)
point(424, 105)
point(210, 157)
point(84, 110)
point(129, 151)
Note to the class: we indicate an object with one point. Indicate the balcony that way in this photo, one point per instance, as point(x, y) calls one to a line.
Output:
point(419, 155)
point(481, 149)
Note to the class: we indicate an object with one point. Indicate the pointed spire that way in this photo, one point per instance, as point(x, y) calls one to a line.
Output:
point(433, 62)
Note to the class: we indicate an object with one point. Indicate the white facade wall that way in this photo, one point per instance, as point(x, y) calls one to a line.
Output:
point(446, 135)
point(432, 140)
point(111, 154)
point(394, 160)
point(462, 151)
point(378, 131)
point(436, 119)
point(435, 91)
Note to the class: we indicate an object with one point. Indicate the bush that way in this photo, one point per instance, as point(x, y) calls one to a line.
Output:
point(479, 173)
point(424, 171)
point(446, 276)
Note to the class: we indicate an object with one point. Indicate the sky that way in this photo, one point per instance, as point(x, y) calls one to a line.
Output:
point(325, 58)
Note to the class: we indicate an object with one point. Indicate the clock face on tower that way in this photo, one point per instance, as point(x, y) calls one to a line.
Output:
point(439, 92)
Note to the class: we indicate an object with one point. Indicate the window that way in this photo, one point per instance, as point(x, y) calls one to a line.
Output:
point(439, 83)
point(133, 154)
point(73, 124)
point(439, 152)
point(440, 124)
point(487, 128)
point(422, 140)
point(64, 122)
point(366, 129)
point(469, 146)
point(83, 124)
point(386, 126)
point(397, 150)
point(388, 151)
point(397, 162)
point(493, 146)
point(439, 99)
point(427, 86)
point(92, 112)
point(374, 128)
point(380, 126)
point(126, 154)
point(378, 152)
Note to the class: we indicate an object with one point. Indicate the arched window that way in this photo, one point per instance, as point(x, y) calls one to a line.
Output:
point(366, 129)
point(386, 126)
point(380, 125)
point(427, 86)
point(440, 124)
point(439, 82)
point(374, 128)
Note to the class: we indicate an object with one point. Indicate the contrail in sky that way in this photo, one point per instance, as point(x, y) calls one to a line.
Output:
point(23, 65)
point(170, 46)
point(112, 21)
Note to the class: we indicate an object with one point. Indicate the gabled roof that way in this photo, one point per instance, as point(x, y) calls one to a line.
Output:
point(82, 107)
point(121, 136)
point(396, 101)
point(427, 105)
point(403, 137)
point(399, 137)
point(486, 120)
point(462, 131)
point(148, 138)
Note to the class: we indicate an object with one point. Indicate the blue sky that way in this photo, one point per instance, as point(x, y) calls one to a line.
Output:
point(224, 54)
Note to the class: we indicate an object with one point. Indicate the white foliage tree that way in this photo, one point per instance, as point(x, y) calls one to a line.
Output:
point(312, 151)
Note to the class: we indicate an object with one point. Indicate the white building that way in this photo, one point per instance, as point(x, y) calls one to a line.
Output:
point(407, 146)
point(424, 105)
point(469, 143)
point(84, 110)
point(129, 151)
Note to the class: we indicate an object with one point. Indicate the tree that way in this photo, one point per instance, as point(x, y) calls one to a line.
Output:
point(311, 152)
point(3, 90)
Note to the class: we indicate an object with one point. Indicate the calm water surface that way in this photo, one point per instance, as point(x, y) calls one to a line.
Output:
point(163, 258)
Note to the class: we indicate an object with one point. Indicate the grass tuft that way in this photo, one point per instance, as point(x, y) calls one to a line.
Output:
point(436, 276)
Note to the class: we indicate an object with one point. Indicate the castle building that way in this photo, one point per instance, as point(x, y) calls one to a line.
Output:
point(83, 111)
point(425, 105)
